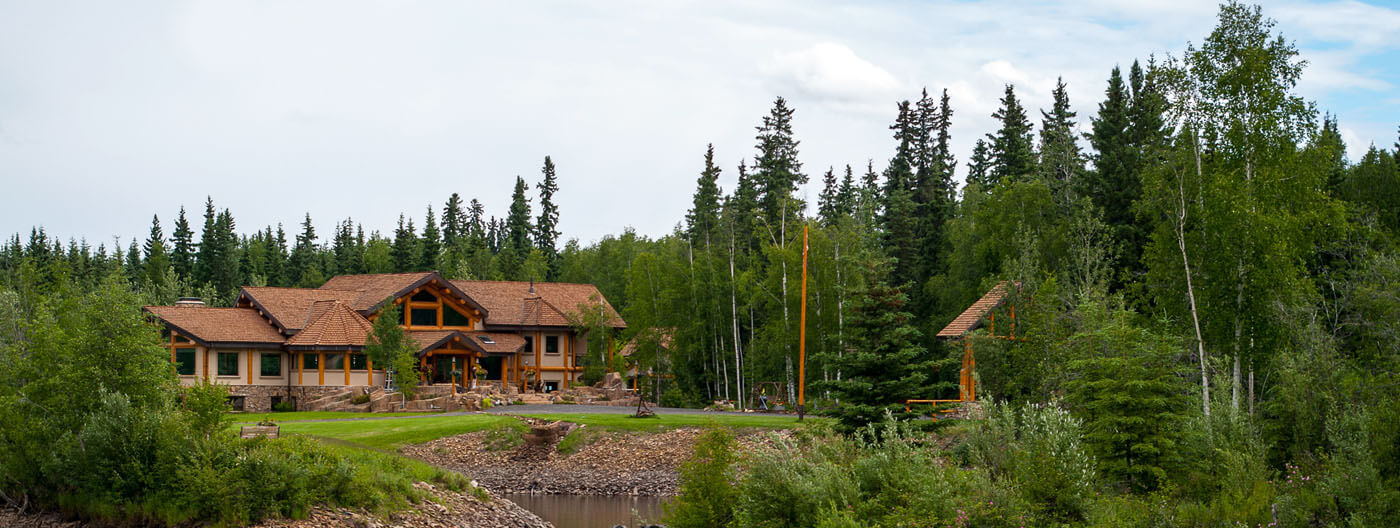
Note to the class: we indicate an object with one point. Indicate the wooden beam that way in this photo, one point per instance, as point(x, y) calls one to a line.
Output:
point(250, 366)
point(320, 368)
point(301, 365)
point(347, 367)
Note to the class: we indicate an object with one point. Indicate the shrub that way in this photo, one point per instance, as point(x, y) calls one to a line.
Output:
point(208, 406)
point(706, 484)
point(283, 406)
point(360, 399)
point(880, 476)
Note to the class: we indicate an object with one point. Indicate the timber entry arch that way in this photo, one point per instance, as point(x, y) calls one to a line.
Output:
point(962, 325)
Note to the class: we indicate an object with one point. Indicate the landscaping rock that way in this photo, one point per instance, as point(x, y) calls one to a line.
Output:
point(613, 463)
point(447, 509)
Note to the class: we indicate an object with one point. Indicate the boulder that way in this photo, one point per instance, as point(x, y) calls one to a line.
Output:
point(611, 380)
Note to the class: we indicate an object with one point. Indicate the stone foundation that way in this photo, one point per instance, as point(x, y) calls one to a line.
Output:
point(258, 398)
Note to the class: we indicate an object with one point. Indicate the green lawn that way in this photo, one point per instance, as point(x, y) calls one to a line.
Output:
point(392, 434)
point(280, 417)
point(670, 421)
point(601, 424)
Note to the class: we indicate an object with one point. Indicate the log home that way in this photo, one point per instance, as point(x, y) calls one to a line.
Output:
point(298, 344)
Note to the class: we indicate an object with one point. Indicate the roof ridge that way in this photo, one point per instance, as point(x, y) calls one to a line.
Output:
point(537, 283)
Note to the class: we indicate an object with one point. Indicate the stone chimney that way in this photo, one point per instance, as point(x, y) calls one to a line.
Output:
point(190, 302)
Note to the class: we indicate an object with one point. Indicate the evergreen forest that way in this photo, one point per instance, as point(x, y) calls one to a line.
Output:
point(1206, 291)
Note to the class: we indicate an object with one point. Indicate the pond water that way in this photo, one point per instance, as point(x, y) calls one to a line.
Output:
point(590, 511)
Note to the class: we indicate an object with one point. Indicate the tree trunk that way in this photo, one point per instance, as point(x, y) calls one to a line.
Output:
point(1190, 289)
point(734, 319)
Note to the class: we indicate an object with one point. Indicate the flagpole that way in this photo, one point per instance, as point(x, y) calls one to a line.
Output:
point(802, 336)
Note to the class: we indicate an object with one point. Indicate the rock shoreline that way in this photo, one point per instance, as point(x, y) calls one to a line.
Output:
point(612, 463)
point(449, 509)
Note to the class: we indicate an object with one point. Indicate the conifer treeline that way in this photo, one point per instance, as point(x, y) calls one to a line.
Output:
point(1182, 199)
point(459, 240)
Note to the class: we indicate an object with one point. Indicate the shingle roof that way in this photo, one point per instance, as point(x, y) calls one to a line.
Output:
point(499, 343)
point(972, 316)
point(218, 325)
point(510, 303)
point(333, 325)
point(290, 308)
point(374, 288)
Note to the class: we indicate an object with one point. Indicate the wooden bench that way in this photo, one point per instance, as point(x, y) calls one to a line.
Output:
point(254, 431)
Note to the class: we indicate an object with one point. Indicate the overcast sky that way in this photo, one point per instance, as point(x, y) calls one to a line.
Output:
point(112, 111)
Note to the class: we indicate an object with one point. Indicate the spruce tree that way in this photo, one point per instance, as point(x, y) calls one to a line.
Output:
point(979, 167)
point(777, 170)
point(431, 244)
point(846, 194)
point(703, 216)
point(405, 246)
point(182, 252)
point(134, 270)
point(1012, 152)
point(1334, 150)
point(1106, 186)
point(745, 207)
point(157, 259)
point(547, 225)
point(899, 219)
point(1125, 387)
point(277, 274)
point(454, 223)
point(886, 365)
point(207, 259)
point(304, 266)
point(1061, 163)
point(935, 196)
point(347, 261)
point(828, 202)
point(515, 233)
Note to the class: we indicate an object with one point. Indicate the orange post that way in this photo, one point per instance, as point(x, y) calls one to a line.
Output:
point(802, 336)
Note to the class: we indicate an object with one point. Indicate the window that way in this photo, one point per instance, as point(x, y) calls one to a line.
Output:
point(529, 344)
point(551, 386)
point(309, 361)
point(184, 361)
point(452, 317)
point(272, 364)
point(424, 296)
point(422, 316)
point(357, 362)
point(335, 361)
point(181, 339)
point(486, 339)
point(551, 344)
point(228, 363)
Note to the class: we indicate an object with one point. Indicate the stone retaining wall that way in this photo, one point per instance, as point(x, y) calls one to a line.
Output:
point(258, 398)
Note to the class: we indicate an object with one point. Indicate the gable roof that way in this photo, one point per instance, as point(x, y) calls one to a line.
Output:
point(219, 325)
point(333, 325)
point(290, 308)
point(492, 344)
point(373, 289)
point(511, 303)
point(971, 318)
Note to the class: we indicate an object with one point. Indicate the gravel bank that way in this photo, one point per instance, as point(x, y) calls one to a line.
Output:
point(452, 510)
point(613, 463)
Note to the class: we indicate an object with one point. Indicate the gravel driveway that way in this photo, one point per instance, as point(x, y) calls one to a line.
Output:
point(594, 409)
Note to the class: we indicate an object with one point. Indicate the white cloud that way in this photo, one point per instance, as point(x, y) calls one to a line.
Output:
point(833, 72)
point(366, 109)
